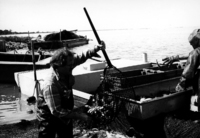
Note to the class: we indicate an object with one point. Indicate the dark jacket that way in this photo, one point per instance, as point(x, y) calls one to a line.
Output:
point(190, 69)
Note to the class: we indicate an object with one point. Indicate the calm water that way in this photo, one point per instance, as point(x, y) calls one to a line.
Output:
point(128, 44)
point(157, 43)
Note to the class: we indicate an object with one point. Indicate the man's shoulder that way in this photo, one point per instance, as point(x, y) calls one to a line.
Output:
point(196, 51)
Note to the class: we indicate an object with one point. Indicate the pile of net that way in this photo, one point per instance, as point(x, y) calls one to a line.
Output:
point(183, 124)
point(108, 115)
point(108, 110)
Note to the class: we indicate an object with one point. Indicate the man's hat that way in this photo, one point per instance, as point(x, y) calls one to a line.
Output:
point(194, 36)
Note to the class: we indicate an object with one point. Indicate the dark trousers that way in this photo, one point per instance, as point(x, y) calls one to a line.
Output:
point(55, 127)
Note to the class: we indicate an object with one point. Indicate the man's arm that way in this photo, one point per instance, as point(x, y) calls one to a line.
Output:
point(169, 60)
point(79, 59)
point(191, 65)
point(189, 71)
point(184, 57)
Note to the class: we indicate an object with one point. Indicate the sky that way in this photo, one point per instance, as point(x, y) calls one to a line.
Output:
point(56, 15)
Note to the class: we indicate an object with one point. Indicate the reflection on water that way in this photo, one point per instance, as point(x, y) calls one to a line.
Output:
point(8, 92)
point(9, 100)
point(10, 103)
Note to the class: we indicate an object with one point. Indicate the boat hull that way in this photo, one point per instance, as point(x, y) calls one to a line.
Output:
point(23, 57)
point(7, 69)
point(11, 63)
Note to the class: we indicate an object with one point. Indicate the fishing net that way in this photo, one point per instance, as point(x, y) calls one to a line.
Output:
point(182, 125)
point(109, 111)
point(107, 105)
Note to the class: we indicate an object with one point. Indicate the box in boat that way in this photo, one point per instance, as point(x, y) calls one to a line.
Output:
point(149, 107)
point(152, 107)
point(149, 94)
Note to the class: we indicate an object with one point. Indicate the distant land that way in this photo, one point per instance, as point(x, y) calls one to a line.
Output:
point(8, 32)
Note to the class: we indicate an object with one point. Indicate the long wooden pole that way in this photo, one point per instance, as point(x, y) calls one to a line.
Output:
point(34, 69)
point(97, 37)
point(60, 35)
point(33, 59)
point(28, 36)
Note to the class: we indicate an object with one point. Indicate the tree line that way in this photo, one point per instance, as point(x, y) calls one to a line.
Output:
point(7, 32)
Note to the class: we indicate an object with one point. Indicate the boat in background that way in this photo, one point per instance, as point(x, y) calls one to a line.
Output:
point(53, 45)
point(61, 39)
point(14, 62)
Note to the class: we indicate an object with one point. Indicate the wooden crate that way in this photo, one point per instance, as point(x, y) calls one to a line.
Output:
point(166, 100)
point(153, 107)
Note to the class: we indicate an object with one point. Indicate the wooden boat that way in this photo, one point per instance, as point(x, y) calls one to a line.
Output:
point(11, 63)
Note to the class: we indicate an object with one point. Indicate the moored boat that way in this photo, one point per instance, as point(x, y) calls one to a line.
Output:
point(61, 39)
point(59, 44)
point(14, 62)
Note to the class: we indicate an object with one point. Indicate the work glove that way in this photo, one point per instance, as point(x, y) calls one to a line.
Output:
point(170, 60)
point(179, 88)
point(102, 46)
